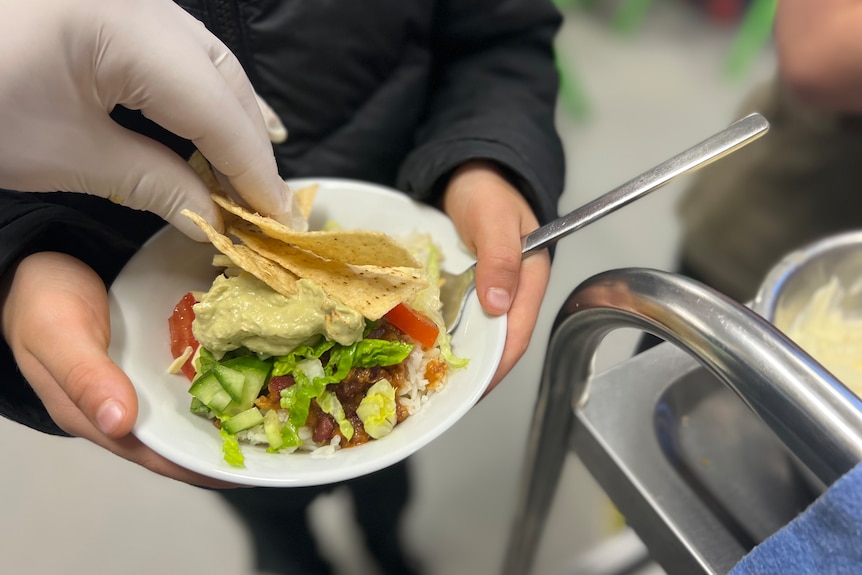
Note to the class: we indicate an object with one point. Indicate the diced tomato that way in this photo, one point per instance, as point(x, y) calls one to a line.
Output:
point(182, 337)
point(414, 324)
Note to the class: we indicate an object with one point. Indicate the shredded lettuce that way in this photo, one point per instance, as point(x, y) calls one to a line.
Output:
point(428, 302)
point(230, 447)
point(272, 430)
point(312, 377)
point(377, 409)
point(279, 435)
point(329, 403)
point(311, 381)
point(366, 353)
point(204, 361)
point(286, 364)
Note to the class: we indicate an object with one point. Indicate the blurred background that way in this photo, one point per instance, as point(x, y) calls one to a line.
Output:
point(643, 80)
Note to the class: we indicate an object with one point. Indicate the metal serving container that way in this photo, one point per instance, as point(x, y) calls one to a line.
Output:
point(791, 284)
point(708, 443)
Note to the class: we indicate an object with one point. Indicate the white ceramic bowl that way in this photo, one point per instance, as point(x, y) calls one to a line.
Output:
point(169, 265)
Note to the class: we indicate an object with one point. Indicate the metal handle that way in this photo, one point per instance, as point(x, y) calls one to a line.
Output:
point(721, 144)
point(809, 410)
point(813, 413)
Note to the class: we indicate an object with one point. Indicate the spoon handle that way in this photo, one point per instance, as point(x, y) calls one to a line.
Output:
point(730, 139)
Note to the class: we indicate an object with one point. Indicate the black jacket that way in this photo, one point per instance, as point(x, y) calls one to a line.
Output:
point(396, 92)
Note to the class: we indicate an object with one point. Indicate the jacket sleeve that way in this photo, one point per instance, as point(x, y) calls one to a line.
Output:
point(100, 233)
point(494, 97)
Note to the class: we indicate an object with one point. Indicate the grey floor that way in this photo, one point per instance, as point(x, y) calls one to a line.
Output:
point(69, 508)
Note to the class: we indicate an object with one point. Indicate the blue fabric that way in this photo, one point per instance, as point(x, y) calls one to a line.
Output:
point(825, 538)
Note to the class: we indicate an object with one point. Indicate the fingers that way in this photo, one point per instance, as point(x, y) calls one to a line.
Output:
point(91, 381)
point(130, 448)
point(498, 268)
point(491, 217)
point(56, 319)
point(148, 176)
point(72, 419)
point(522, 316)
point(187, 81)
point(152, 56)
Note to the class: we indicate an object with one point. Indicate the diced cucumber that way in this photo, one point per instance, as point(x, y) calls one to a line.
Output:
point(255, 371)
point(249, 363)
point(198, 407)
point(230, 387)
point(272, 429)
point(243, 420)
point(231, 380)
point(205, 360)
point(210, 392)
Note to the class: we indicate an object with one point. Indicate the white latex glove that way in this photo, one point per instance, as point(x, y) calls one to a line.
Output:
point(277, 131)
point(291, 217)
point(65, 65)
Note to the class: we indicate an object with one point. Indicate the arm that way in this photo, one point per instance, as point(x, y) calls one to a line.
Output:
point(820, 51)
point(84, 393)
point(490, 147)
point(494, 98)
point(67, 66)
point(105, 237)
point(55, 373)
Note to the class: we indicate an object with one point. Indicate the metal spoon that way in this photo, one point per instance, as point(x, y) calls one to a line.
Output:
point(457, 287)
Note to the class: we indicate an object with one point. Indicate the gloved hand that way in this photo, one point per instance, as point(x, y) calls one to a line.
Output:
point(65, 65)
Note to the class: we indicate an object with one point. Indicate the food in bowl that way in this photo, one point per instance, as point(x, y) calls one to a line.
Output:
point(831, 332)
point(814, 295)
point(310, 342)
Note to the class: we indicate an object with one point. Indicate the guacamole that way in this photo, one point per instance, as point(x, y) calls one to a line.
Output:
point(242, 311)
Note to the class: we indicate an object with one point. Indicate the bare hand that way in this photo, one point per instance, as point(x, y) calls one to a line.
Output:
point(55, 318)
point(491, 216)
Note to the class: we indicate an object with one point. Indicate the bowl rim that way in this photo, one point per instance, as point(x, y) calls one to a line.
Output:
point(770, 290)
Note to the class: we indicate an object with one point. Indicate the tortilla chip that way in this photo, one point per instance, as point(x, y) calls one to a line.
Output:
point(304, 196)
point(371, 290)
point(305, 199)
point(356, 247)
point(204, 170)
point(267, 271)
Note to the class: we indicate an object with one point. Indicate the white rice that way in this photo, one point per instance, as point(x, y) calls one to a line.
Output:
point(329, 449)
point(415, 392)
point(253, 436)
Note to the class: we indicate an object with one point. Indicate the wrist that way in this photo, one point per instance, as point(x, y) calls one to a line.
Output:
point(481, 181)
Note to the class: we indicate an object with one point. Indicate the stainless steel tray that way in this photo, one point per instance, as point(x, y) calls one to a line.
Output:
point(707, 444)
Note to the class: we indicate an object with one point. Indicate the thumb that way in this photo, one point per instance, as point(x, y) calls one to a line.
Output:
point(498, 268)
point(94, 383)
point(71, 369)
